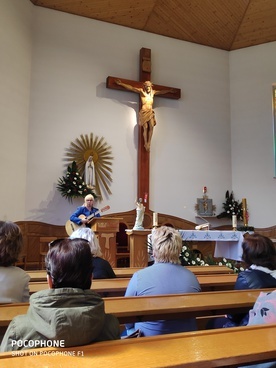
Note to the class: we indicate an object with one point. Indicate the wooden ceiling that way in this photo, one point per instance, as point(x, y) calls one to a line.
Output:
point(223, 24)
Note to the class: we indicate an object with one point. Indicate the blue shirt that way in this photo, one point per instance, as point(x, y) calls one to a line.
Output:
point(160, 279)
point(82, 210)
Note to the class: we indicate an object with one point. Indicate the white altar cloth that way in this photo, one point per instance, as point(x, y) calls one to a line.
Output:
point(228, 243)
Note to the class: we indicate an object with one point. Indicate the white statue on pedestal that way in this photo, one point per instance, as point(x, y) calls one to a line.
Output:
point(140, 210)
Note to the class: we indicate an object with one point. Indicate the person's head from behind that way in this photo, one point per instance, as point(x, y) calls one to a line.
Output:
point(166, 245)
point(11, 243)
point(69, 263)
point(259, 250)
point(88, 234)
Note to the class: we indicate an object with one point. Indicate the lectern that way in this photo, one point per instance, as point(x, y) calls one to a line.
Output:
point(105, 229)
point(138, 247)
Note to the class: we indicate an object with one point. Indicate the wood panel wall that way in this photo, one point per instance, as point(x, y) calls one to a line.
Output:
point(33, 230)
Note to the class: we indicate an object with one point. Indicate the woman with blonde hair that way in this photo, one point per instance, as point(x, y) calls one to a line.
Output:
point(101, 267)
point(165, 276)
point(86, 212)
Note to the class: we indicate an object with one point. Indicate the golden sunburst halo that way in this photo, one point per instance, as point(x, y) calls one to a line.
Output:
point(82, 149)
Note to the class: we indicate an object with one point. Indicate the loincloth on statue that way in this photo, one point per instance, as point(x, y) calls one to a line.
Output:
point(147, 116)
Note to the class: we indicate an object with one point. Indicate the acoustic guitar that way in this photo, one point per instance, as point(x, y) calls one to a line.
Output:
point(70, 226)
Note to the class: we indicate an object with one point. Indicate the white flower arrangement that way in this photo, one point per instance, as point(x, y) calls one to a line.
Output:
point(72, 185)
point(191, 257)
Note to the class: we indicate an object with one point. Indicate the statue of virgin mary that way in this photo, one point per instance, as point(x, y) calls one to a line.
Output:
point(89, 173)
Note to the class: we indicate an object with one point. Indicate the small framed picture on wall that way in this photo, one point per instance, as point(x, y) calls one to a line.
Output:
point(204, 207)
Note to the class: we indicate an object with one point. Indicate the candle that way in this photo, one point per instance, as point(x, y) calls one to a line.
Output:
point(234, 222)
point(145, 197)
point(155, 219)
point(244, 211)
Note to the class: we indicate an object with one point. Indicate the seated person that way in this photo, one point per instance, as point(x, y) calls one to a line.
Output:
point(263, 312)
point(101, 267)
point(86, 212)
point(259, 254)
point(165, 276)
point(69, 312)
point(14, 282)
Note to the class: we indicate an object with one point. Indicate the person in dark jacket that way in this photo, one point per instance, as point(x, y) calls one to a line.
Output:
point(101, 267)
point(259, 256)
point(67, 314)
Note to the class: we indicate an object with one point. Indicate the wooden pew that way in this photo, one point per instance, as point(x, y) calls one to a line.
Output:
point(40, 275)
point(119, 285)
point(197, 270)
point(210, 270)
point(143, 308)
point(202, 349)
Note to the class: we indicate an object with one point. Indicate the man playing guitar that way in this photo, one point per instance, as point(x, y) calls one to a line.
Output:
point(86, 212)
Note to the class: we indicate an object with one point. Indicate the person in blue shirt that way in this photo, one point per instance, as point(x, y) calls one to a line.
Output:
point(84, 214)
point(165, 276)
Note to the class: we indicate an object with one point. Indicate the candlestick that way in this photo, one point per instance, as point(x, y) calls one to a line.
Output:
point(155, 219)
point(234, 222)
point(244, 212)
point(145, 197)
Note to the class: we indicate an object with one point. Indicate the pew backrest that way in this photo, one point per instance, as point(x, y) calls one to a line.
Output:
point(40, 275)
point(212, 348)
point(141, 308)
point(119, 285)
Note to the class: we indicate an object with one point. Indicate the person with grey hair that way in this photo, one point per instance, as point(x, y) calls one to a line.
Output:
point(14, 282)
point(101, 267)
point(165, 276)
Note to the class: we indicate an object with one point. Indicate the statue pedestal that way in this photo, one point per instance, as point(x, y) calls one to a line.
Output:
point(138, 247)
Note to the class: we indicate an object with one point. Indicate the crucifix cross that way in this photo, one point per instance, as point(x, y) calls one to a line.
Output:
point(147, 92)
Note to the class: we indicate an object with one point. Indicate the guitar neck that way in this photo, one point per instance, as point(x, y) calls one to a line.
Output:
point(93, 215)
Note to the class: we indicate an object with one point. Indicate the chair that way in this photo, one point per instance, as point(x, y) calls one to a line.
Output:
point(22, 258)
point(122, 247)
point(22, 261)
point(43, 249)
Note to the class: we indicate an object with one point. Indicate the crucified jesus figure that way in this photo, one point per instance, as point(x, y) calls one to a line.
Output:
point(146, 113)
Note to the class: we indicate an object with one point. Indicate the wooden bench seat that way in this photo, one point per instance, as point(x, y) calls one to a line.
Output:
point(143, 308)
point(202, 349)
point(40, 275)
point(119, 285)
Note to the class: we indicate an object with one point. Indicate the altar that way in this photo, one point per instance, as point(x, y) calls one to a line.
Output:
point(228, 243)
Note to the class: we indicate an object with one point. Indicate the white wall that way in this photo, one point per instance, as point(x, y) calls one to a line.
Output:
point(15, 67)
point(191, 148)
point(252, 74)
point(72, 56)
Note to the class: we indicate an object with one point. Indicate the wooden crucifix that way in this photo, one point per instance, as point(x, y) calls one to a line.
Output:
point(147, 91)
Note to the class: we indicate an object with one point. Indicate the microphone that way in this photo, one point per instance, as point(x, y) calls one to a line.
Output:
point(206, 224)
